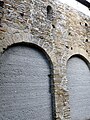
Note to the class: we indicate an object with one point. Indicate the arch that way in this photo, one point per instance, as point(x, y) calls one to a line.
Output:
point(81, 57)
point(51, 82)
point(78, 75)
point(28, 44)
point(75, 52)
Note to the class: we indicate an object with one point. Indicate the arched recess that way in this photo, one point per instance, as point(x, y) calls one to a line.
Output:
point(78, 75)
point(26, 83)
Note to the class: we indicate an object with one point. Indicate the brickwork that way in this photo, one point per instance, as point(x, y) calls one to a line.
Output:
point(65, 32)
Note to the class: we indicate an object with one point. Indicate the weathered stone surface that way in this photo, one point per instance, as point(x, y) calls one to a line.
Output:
point(68, 33)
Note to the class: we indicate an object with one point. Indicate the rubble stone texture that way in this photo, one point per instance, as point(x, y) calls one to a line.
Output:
point(58, 29)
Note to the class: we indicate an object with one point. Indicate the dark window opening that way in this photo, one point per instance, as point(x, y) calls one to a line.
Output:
point(86, 24)
point(22, 14)
point(71, 48)
point(67, 47)
point(1, 3)
point(86, 40)
point(53, 26)
point(87, 51)
point(49, 12)
point(80, 23)
point(69, 33)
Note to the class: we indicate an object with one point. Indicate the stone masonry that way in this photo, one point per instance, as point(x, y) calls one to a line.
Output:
point(58, 29)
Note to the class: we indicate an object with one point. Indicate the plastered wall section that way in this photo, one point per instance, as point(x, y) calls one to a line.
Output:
point(66, 33)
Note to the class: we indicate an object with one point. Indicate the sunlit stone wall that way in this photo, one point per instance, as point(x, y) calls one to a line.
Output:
point(57, 28)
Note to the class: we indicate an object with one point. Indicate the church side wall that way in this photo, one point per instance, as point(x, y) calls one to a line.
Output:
point(57, 28)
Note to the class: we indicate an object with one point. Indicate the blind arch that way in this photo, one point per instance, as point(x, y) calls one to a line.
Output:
point(17, 78)
point(78, 75)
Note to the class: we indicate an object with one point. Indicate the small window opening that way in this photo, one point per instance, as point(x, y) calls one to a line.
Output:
point(67, 47)
point(86, 40)
point(69, 33)
point(4, 49)
point(22, 14)
point(71, 48)
point(87, 51)
point(86, 24)
point(49, 12)
point(8, 12)
point(80, 23)
point(53, 26)
point(1, 4)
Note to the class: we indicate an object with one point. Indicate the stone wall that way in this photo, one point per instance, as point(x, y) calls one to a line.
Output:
point(56, 28)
